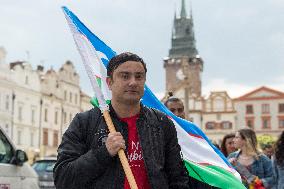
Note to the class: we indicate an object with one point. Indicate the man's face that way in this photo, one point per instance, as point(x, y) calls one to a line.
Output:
point(127, 82)
point(268, 151)
point(177, 108)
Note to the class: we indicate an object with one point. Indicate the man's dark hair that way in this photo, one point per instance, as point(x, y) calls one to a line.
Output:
point(266, 146)
point(120, 59)
point(171, 98)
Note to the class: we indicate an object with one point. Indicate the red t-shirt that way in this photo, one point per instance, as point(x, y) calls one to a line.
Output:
point(134, 155)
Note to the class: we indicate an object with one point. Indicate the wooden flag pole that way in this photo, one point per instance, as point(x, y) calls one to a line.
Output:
point(121, 154)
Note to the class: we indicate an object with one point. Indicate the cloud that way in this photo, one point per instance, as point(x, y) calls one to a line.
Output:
point(277, 3)
point(277, 38)
point(238, 89)
point(159, 95)
point(220, 84)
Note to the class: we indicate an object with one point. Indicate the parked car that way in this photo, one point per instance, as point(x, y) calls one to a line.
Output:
point(44, 169)
point(15, 172)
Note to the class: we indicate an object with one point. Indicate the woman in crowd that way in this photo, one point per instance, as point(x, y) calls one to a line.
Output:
point(227, 145)
point(253, 166)
point(278, 162)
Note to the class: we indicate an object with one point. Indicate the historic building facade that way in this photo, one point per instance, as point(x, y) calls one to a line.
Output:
point(218, 114)
point(36, 106)
point(262, 110)
point(6, 95)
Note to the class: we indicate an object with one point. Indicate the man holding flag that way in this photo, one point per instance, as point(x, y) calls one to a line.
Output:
point(203, 160)
point(87, 156)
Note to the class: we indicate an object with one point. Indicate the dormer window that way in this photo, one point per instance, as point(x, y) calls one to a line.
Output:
point(27, 80)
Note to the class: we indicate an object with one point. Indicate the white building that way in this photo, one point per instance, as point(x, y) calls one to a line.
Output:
point(219, 116)
point(26, 105)
point(36, 107)
point(262, 110)
point(6, 94)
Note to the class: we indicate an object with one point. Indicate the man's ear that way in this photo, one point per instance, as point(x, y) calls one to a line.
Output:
point(109, 82)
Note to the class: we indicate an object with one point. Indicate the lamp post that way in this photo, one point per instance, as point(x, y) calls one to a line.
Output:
point(13, 112)
point(62, 121)
point(40, 126)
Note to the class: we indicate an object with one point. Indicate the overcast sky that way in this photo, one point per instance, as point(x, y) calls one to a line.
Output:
point(241, 42)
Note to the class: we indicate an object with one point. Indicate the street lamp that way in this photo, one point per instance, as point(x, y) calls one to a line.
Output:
point(40, 126)
point(13, 110)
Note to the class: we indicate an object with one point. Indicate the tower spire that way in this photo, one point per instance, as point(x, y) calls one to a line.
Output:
point(190, 10)
point(183, 40)
point(175, 14)
point(183, 11)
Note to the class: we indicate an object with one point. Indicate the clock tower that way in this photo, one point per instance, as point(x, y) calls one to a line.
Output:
point(183, 65)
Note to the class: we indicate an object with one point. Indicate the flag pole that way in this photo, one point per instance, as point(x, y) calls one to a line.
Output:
point(121, 154)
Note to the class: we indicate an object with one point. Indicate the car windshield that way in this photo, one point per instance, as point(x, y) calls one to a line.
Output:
point(44, 165)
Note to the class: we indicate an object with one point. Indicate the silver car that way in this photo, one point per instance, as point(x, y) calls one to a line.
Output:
point(44, 169)
point(15, 172)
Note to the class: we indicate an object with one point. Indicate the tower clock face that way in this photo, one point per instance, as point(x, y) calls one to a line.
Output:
point(180, 74)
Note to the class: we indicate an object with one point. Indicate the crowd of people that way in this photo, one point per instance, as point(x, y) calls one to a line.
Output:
point(88, 153)
point(259, 169)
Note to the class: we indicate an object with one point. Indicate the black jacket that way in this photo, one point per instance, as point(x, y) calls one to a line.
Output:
point(84, 162)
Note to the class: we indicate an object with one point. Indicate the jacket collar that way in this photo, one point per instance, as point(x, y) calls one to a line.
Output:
point(142, 113)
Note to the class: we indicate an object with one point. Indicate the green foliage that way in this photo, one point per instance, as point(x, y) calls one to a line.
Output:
point(265, 139)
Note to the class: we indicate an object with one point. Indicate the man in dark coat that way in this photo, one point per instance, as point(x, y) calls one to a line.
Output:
point(87, 155)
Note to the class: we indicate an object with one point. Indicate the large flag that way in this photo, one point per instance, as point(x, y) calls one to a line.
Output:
point(202, 159)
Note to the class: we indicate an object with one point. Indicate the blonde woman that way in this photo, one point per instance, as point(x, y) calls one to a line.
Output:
point(254, 167)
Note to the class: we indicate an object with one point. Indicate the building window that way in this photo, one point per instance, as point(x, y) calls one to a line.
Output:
point(70, 117)
point(7, 102)
point(55, 139)
point(20, 113)
point(65, 95)
point(249, 109)
point(218, 117)
point(7, 129)
point(76, 98)
point(226, 125)
point(250, 122)
point(33, 116)
point(281, 108)
point(19, 137)
point(27, 80)
point(210, 125)
point(281, 122)
point(70, 97)
point(265, 108)
point(65, 117)
point(45, 137)
point(219, 104)
point(32, 139)
point(265, 122)
point(56, 117)
point(45, 114)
